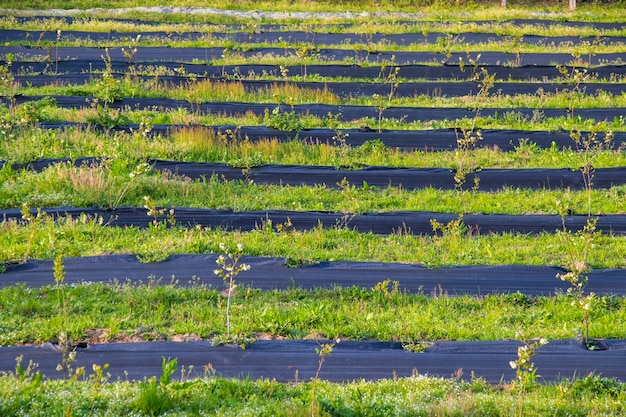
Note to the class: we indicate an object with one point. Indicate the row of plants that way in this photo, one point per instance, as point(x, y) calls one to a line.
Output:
point(367, 27)
point(61, 313)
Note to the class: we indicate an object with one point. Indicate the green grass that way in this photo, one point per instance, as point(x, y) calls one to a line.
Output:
point(94, 186)
point(200, 144)
point(158, 312)
point(413, 396)
point(87, 236)
point(216, 91)
point(162, 309)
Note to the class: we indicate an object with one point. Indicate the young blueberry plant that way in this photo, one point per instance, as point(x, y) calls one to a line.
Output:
point(578, 247)
point(229, 268)
point(525, 371)
point(323, 351)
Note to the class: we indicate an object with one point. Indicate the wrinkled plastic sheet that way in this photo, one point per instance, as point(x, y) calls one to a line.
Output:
point(181, 55)
point(268, 274)
point(428, 140)
point(450, 70)
point(294, 361)
point(416, 222)
point(373, 176)
point(343, 113)
point(355, 89)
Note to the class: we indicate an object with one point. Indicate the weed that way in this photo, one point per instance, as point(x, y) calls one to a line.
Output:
point(108, 88)
point(288, 121)
point(154, 399)
point(107, 117)
point(229, 268)
point(28, 373)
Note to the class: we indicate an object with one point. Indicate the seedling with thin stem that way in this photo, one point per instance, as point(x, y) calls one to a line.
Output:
point(390, 78)
point(323, 351)
point(574, 77)
point(525, 370)
point(129, 54)
point(578, 247)
point(590, 145)
point(469, 137)
point(229, 268)
point(68, 353)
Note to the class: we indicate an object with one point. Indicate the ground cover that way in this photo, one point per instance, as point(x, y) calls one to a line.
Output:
point(124, 179)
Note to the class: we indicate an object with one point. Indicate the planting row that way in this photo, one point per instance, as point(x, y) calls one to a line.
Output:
point(373, 41)
point(293, 361)
point(343, 113)
point(452, 70)
point(416, 222)
point(269, 274)
point(217, 55)
point(373, 176)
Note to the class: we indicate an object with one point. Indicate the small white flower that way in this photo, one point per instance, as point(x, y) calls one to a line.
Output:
point(240, 247)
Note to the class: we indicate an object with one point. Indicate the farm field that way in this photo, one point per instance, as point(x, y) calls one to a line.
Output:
point(320, 214)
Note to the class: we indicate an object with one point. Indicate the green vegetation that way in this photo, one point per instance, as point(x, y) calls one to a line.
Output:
point(161, 309)
point(418, 395)
point(225, 310)
point(91, 236)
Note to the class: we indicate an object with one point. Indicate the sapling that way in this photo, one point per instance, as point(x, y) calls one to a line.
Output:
point(590, 145)
point(578, 246)
point(390, 78)
point(324, 350)
point(229, 268)
point(525, 371)
point(68, 354)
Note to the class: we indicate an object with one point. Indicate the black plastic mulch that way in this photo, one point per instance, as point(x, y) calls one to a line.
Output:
point(429, 140)
point(293, 361)
point(269, 274)
point(429, 72)
point(325, 27)
point(357, 89)
point(182, 55)
point(417, 222)
point(312, 37)
point(344, 113)
point(373, 176)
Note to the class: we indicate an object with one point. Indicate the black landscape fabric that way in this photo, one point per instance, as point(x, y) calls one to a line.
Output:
point(374, 176)
point(343, 113)
point(451, 70)
point(275, 274)
point(184, 55)
point(297, 360)
point(417, 222)
point(426, 140)
point(354, 89)
point(294, 37)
